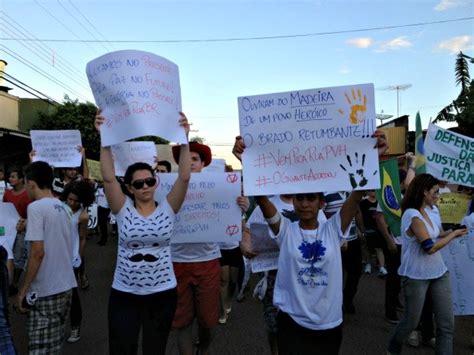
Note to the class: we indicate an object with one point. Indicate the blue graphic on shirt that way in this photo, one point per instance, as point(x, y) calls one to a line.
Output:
point(312, 253)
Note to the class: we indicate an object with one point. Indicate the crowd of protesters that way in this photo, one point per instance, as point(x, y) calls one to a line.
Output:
point(326, 241)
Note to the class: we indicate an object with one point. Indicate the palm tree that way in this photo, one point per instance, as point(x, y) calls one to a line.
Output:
point(461, 110)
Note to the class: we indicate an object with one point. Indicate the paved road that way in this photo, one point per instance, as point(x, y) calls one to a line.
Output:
point(364, 333)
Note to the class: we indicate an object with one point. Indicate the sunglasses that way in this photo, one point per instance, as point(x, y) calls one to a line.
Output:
point(308, 197)
point(138, 184)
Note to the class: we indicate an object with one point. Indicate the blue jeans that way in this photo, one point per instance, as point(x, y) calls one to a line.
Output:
point(415, 292)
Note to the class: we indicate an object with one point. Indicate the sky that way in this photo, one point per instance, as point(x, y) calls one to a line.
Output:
point(214, 73)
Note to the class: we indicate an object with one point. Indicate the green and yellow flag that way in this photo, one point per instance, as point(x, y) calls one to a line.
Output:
point(389, 196)
point(419, 147)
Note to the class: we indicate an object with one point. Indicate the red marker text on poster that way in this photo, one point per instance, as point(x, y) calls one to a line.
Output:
point(232, 230)
point(232, 178)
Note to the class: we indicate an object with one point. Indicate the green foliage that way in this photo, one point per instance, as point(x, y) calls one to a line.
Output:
point(461, 110)
point(77, 115)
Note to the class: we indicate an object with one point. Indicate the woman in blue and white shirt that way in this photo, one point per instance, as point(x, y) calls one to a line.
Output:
point(422, 268)
point(143, 294)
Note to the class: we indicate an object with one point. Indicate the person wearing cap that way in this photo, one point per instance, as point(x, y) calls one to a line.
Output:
point(197, 270)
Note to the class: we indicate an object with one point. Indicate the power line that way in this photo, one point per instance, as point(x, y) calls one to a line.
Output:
point(29, 92)
point(90, 23)
point(234, 39)
point(58, 58)
point(80, 23)
point(45, 58)
point(29, 87)
point(66, 27)
point(40, 71)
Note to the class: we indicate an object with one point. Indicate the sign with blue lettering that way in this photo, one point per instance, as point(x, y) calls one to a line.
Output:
point(128, 153)
point(210, 212)
point(139, 94)
point(309, 141)
point(59, 148)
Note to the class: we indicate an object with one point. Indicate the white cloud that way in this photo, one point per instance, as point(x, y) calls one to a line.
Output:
point(448, 4)
point(396, 43)
point(344, 70)
point(457, 44)
point(362, 42)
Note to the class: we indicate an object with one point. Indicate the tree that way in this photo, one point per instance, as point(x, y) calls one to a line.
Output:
point(77, 115)
point(461, 110)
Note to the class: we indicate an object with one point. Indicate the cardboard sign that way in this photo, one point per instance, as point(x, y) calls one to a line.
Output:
point(9, 218)
point(266, 247)
point(449, 156)
point(139, 94)
point(210, 212)
point(309, 141)
point(453, 207)
point(459, 258)
point(128, 153)
point(58, 148)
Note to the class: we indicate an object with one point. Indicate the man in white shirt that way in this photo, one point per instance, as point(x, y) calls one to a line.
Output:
point(49, 278)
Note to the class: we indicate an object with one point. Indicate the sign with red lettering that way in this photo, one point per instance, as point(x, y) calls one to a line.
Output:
point(210, 212)
point(309, 141)
point(139, 94)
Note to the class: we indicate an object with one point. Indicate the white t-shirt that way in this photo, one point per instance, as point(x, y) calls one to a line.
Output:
point(75, 239)
point(49, 220)
point(3, 186)
point(143, 256)
point(311, 293)
point(415, 262)
point(100, 198)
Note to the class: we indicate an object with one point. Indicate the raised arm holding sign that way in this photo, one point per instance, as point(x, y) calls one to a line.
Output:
point(139, 94)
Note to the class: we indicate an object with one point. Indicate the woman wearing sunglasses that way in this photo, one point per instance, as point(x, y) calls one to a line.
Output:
point(308, 287)
point(422, 267)
point(143, 294)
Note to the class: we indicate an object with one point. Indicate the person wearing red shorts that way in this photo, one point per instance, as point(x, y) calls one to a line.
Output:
point(197, 270)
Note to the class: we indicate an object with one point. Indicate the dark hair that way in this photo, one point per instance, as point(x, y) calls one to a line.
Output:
point(41, 173)
point(82, 189)
point(135, 167)
point(415, 192)
point(320, 195)
point(166, 164)
point(18, 171)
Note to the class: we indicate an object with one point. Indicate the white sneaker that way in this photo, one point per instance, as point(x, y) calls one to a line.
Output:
point(383, 271)
point(75, 335)
point(223, 319)
point(368, 268)
point(414, 339)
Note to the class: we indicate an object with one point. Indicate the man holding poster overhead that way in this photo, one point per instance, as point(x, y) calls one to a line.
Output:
point(197, 270)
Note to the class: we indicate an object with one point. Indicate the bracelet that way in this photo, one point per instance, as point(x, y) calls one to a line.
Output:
point(275, 219)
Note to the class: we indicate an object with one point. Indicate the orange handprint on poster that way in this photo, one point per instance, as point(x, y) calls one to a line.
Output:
point(358, 105)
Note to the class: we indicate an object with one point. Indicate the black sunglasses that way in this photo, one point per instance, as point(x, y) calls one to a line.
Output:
point(308, 197)
point(138, 184)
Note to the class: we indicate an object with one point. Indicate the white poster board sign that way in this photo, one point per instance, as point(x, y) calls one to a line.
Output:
point(210, 212)
point(449, 156)
point(59, 148)
point(217, 165)
point(309, 141)
point(266, 247)
point(459, 258)
point(128, 153)
point(9, 218)
point(139, 94)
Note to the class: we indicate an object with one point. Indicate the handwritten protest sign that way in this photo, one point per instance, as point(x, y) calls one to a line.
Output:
point(139, 94)
point(459, 258)
point(309, 140)
point(266, 247)
point(210, 212)
point(128, 153)
point(57, 148)
point(453, 207)
point(449, 156)
point(8, 219)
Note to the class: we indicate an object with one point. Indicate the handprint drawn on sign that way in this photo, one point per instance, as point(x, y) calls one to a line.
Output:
point(358, 105)
point(355, 170)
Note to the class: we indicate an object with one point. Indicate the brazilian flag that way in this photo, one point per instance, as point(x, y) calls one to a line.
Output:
point(389, 195)
point(419, 147)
